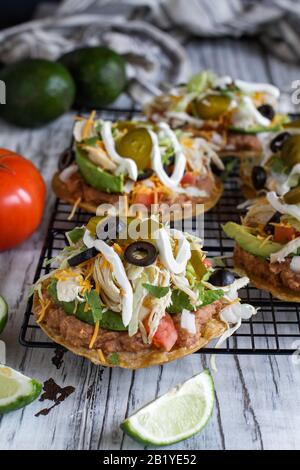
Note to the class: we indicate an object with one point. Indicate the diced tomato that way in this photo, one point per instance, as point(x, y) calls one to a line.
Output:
point(207, 263)
point(166, 334)
point(144, 198)
point(284, 234)
point(189, 179)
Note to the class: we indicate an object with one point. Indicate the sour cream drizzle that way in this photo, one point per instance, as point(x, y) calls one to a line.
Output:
point(249, 87)
point(290, 247)
point(88, 239)
point(256, 115)
point(175, 265)
point(124, 164)
point(119, 272)
point(180, 160)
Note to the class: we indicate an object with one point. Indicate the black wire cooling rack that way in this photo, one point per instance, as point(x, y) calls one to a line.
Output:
point(275, 329)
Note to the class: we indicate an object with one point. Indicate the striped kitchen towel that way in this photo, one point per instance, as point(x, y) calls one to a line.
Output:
point(275, 22)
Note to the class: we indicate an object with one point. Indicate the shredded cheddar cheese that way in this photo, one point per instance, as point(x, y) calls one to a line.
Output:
point(44, 306)
point(117, 249)
point(265, 241)
point(94, 337)
point(88, 124)
point(101, 355)
point(74, 208)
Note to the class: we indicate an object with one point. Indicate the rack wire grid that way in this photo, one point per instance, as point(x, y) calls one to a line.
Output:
point(275, 329)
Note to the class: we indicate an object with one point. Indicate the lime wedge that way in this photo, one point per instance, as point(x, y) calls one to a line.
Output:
point(175, 416)
point(3, 313)
point(16, 390)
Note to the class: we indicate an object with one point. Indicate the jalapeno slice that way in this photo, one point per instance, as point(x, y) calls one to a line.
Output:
point(212, 106)
point(137, 145)
point(293, 196)
point(290, 152)
point(109, 228)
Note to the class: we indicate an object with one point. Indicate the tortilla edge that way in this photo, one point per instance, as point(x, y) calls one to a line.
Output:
point(132, 360)
point(62, 192)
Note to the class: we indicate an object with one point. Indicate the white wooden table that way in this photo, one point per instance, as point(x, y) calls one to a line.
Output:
point(258, 398)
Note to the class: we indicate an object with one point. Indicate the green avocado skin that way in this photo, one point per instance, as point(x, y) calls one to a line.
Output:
point(24, 400)
point(99, 74)
point(110, 320)
point(37, 92)
point(249, 242)
point(97, 178)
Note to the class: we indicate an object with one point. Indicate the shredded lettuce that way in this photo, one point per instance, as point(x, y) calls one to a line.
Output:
point(200, 82)
point(207, 297)
point(139, 293)
point(292, 221)
point(73, 236)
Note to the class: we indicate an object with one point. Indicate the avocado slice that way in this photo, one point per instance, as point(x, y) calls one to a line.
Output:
point(96, 177)
point(110, 320)
point(250, 242)
point(256, 129)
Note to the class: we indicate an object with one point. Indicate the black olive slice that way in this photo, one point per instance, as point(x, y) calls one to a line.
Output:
point(221, 277)
point(267, 111)
point(65, 158)
point(145, 174)
point(259, 177)
point(84, 256)
point(278, 141)
point(168, 167)
point(141, 253)
point(109, 228)
point(269, 227)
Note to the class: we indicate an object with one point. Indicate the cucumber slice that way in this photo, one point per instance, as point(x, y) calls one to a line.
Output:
point(16, 390)
point(3, 313)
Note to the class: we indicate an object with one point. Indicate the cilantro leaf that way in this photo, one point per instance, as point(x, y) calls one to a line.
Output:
point(156, 291)
point(230, 167)
point(180, 301)
point(94, 302)
point(114, 359)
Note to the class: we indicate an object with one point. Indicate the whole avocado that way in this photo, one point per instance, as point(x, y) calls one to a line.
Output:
point(99, 74)
point(37, 92)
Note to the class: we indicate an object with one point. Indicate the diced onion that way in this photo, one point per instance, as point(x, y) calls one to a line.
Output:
point(188, 321)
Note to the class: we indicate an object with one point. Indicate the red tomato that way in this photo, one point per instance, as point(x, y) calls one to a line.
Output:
point(144, 198)
point(283, 234)
point(22, 199)
point(207, 263)
point(166, 334)
point(189, 179)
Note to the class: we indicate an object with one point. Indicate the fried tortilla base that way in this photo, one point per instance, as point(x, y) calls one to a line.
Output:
point(63, 193)
point(132, 360)
point(281, 293)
